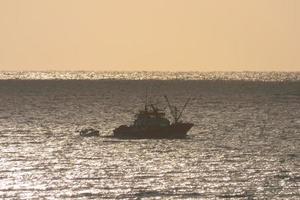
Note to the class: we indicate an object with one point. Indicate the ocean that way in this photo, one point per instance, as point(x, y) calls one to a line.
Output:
point(245, 143)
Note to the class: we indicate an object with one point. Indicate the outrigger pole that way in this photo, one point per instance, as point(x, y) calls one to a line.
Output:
point(146, 100)
point(170, 108)
point(186, 103)
point(174, 111)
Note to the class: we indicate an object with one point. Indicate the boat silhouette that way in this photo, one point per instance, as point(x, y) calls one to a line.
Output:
point(152, 123)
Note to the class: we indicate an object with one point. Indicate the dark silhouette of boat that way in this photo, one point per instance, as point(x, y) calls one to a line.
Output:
point(151, 123)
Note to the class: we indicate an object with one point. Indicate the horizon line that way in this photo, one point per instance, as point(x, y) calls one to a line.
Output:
point(166, 71)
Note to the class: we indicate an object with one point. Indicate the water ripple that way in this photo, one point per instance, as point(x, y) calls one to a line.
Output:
point(245, 143)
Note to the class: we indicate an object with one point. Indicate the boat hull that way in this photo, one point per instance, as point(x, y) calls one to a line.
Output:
point(174, 131)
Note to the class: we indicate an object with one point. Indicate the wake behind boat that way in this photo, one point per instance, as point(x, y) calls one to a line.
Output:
point(151, 123)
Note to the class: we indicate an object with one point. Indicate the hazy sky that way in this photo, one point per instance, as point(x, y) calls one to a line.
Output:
point(205, 35)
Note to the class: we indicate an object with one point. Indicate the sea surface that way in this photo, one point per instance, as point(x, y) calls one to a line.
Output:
point(245, 143)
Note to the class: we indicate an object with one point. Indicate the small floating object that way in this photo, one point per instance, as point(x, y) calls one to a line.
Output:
point(89, 132)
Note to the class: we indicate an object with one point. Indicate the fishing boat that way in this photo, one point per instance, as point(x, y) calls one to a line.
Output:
point(152, 123)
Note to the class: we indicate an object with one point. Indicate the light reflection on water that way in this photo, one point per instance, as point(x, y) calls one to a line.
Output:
point(146, 75)
point(245, 144)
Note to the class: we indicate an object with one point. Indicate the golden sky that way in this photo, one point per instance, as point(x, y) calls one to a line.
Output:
point(204, 35)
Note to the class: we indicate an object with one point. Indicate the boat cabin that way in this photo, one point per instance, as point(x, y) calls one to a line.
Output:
point(151, 117)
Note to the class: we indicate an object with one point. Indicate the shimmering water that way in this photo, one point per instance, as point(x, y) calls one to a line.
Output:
point(245, 143)
point(144, 75)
